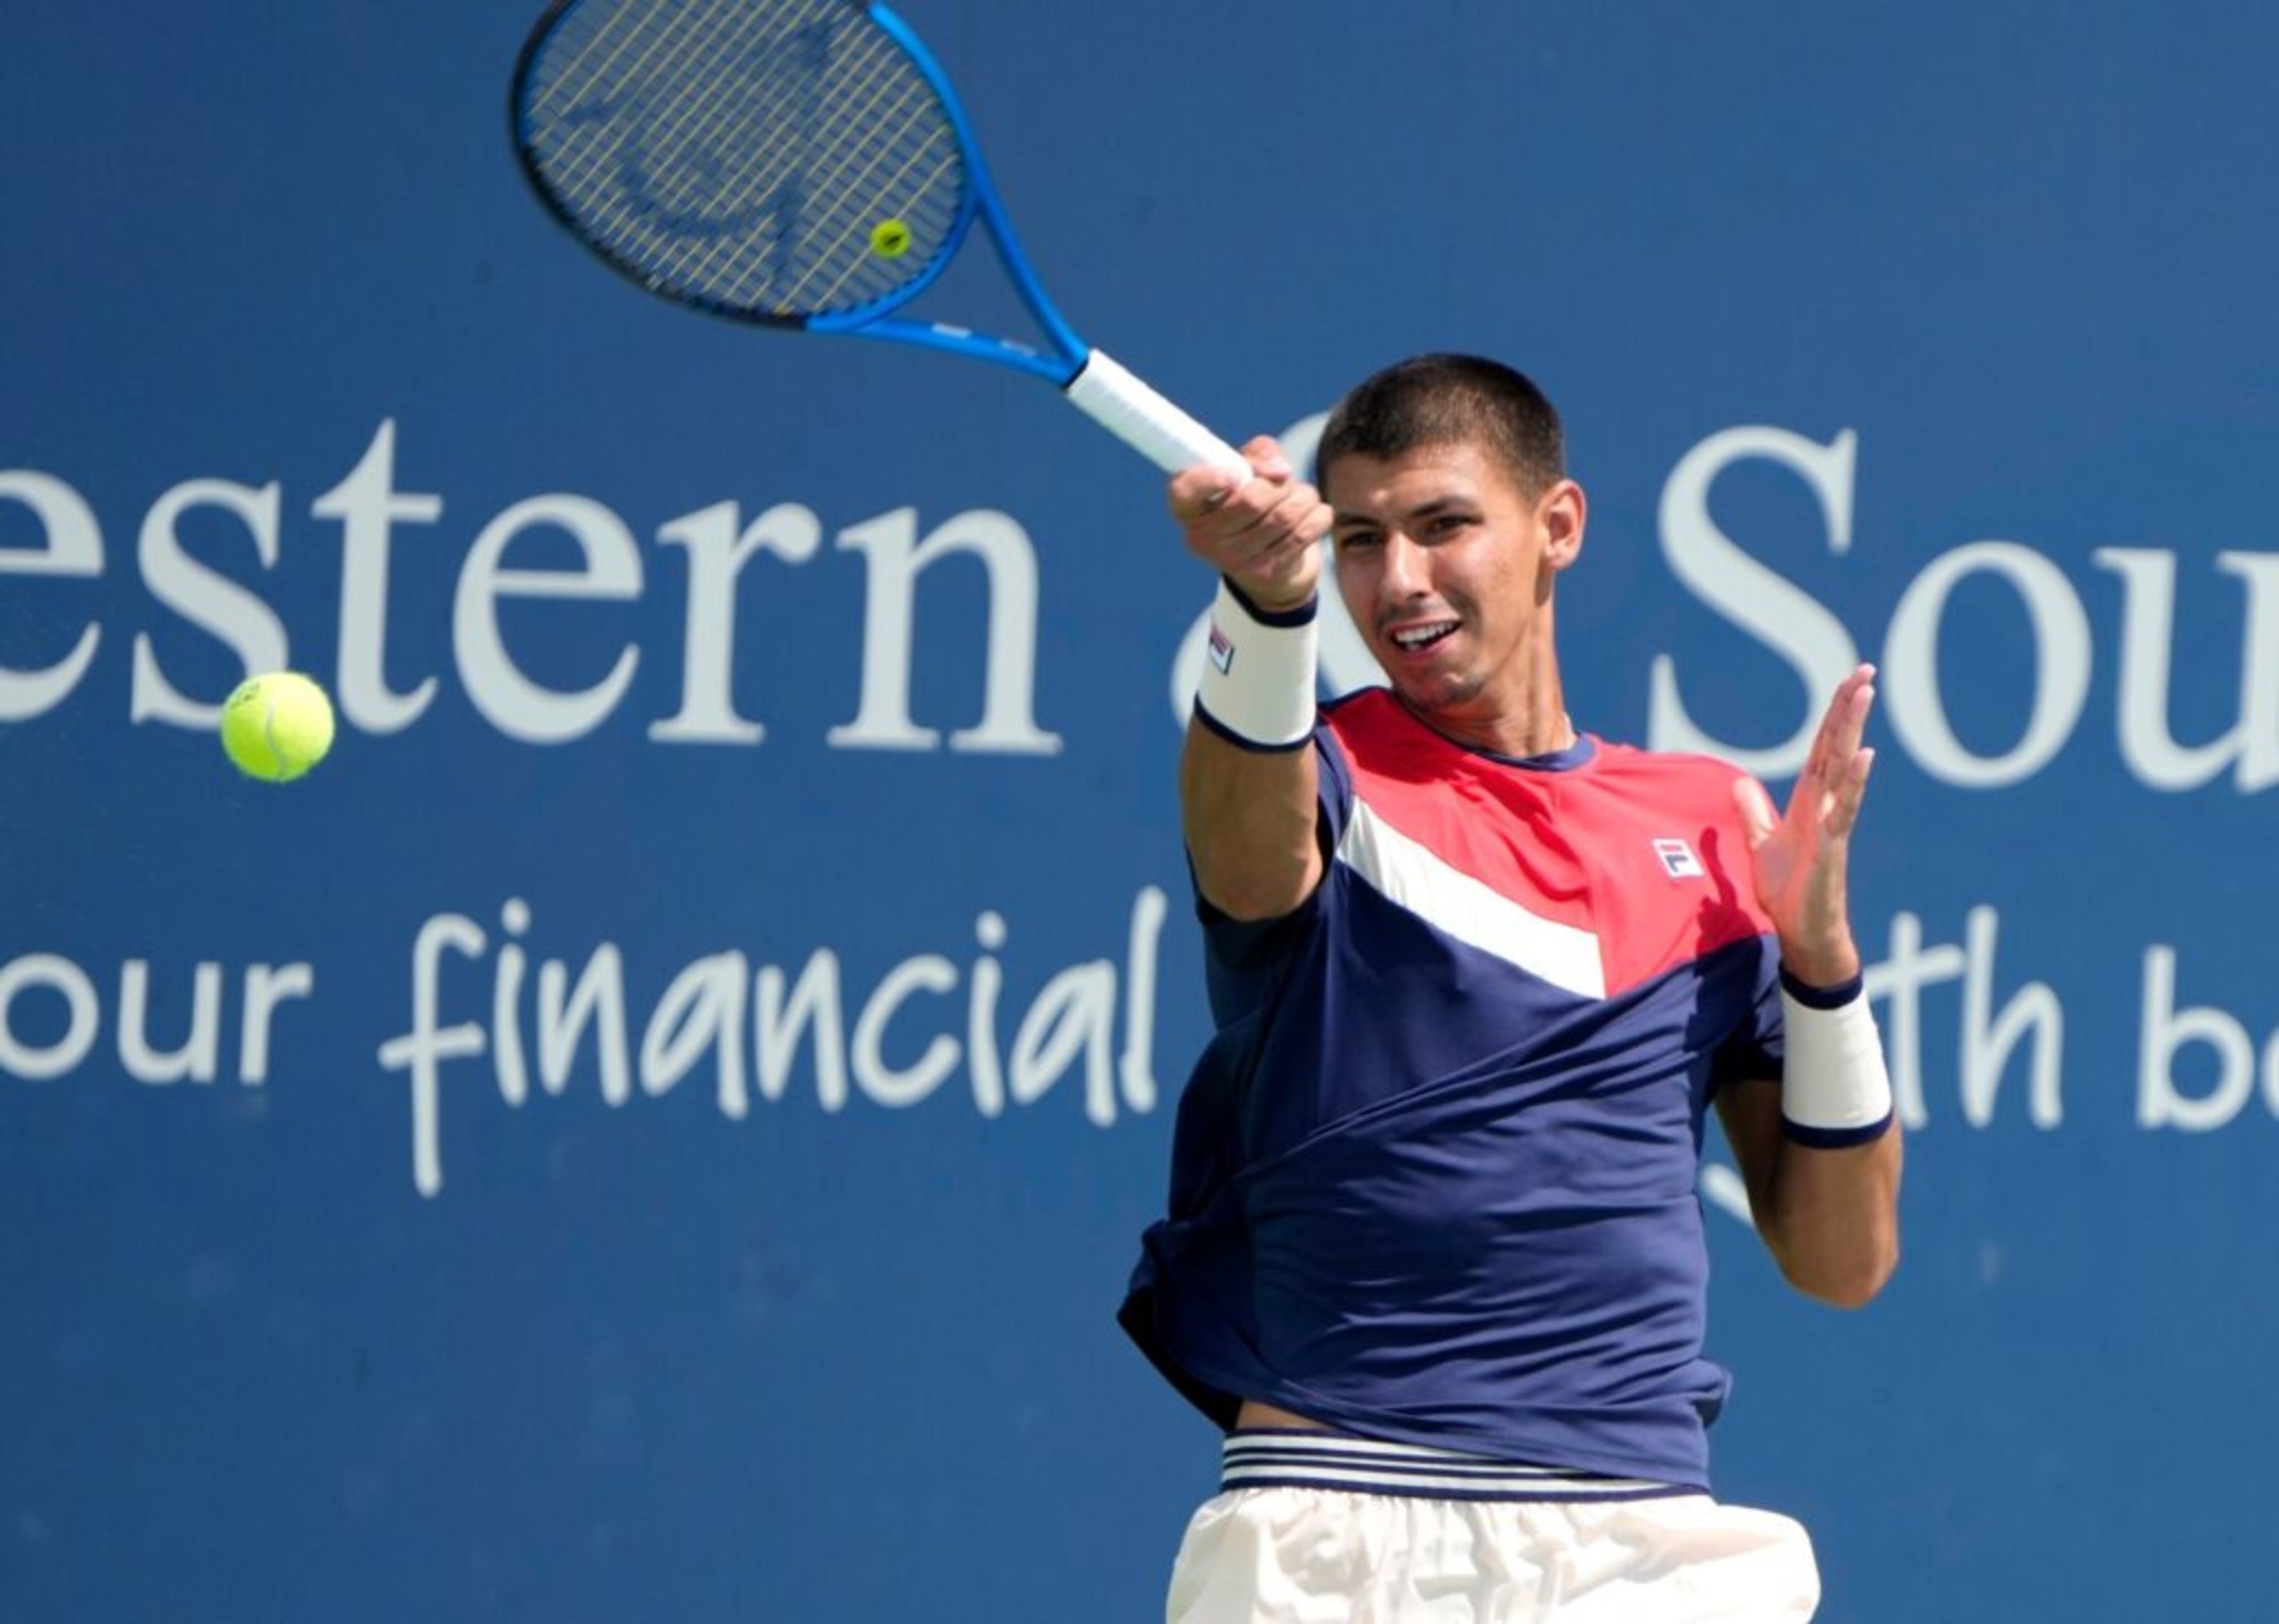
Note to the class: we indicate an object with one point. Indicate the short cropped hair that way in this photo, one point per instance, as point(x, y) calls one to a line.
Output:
point(1444, 399)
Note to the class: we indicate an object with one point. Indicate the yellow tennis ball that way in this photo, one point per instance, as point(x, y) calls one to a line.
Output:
point(890, 239)
point(277, 725)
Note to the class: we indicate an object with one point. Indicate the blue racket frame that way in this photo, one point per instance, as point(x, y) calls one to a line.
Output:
point(1088, 379)
point(977, 203)
point(980, 203)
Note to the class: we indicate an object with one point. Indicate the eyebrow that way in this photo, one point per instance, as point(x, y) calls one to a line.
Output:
point(1341, 520)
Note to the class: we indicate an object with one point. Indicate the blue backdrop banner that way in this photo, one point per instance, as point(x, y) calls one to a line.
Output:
point(657, 1124)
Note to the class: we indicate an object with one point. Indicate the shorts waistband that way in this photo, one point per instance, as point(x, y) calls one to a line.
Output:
point(1289, 1458)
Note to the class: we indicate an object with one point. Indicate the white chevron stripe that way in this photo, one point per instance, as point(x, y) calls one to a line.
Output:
point(1470, 910)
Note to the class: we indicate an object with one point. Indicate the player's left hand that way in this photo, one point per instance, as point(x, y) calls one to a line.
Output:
point(1800, 857)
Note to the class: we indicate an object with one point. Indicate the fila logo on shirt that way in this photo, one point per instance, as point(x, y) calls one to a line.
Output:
point(1678, 860)
point(1221, 650)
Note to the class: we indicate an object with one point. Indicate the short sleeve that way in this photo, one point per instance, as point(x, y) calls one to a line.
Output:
point(1757, 1050)
point(1243, 958)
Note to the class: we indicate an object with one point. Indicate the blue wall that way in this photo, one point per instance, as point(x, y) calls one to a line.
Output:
point(1937, 333)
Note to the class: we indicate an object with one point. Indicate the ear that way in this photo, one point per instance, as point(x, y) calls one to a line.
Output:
point(1562, 510)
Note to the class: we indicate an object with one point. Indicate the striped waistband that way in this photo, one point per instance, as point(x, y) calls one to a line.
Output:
point(1293, 1458)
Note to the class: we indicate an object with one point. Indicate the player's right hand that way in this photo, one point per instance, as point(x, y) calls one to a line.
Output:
point(1261, 534)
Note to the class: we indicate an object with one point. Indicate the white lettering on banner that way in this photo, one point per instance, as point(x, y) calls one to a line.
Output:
point(367, 507)
point(713, 1003)
point(899, 1043)
point(2165, 1030)
point(74, 547)
point(1818, 646)
point(897, 553)
point(717, 552)
point(2061, 664)
point(896, 557)
point(1751, 595)
point(204, 597)
point(1986, 1041)
point(197, 1057)
point(611, 570)
point(2148, 639)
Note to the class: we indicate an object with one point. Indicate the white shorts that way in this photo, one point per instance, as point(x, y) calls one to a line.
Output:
point(1495, 1550)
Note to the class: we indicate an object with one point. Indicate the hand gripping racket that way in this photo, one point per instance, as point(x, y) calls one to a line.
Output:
point(795, 164)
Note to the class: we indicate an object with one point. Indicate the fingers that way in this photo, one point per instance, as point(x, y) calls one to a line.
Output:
point(1842, 726)
point(1845, 797)
point(1198, 492)
point(1262, 531)
point(1835, 776)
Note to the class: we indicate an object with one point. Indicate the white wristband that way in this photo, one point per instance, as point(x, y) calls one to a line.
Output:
point(1835, 1090)
point(1257, 689)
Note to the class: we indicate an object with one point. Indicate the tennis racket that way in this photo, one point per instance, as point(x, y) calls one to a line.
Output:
point(795, 163)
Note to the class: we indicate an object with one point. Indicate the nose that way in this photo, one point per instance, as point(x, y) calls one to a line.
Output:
point(1403, 573)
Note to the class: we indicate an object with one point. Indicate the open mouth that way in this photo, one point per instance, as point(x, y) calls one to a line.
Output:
point(1413, 640)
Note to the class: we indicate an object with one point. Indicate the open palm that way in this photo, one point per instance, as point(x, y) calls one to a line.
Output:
point(1799, 856)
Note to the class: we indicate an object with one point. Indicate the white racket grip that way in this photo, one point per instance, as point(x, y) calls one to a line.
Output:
point(1135, 414)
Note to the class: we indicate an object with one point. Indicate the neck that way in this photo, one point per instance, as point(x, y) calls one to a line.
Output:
point(1519, 735)
point(1522, 714)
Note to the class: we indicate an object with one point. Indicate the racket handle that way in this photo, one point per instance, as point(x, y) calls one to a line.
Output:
point(1135, 414)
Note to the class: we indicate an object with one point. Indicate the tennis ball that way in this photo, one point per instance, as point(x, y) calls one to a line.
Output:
point(277, 725)
point(890, 239)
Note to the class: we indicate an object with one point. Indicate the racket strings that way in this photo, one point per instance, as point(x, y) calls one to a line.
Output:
point(829, 180)
point(638, 174)
point(919, 136)
point(619, 63)
point(819, 262)
point(752, 155)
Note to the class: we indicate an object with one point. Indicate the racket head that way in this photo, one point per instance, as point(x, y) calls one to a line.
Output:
point(788, 162)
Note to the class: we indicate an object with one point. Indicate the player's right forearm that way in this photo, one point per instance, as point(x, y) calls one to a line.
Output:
point(1251, 821)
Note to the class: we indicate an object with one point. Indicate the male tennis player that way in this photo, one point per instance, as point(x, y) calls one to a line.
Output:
point(1434, 1257)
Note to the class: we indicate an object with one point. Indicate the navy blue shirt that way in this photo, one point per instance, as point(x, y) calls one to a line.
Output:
point(1433, 1178)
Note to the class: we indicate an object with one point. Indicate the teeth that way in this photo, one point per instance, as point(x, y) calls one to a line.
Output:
point(1416, 637)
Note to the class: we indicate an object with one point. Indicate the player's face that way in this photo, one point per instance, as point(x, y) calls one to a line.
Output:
point(1445, 567)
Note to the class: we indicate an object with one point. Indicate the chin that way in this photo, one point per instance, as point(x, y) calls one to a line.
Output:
point(1436, 695)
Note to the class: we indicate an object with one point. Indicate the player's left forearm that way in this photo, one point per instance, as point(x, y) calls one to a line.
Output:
point(1832, 1217)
